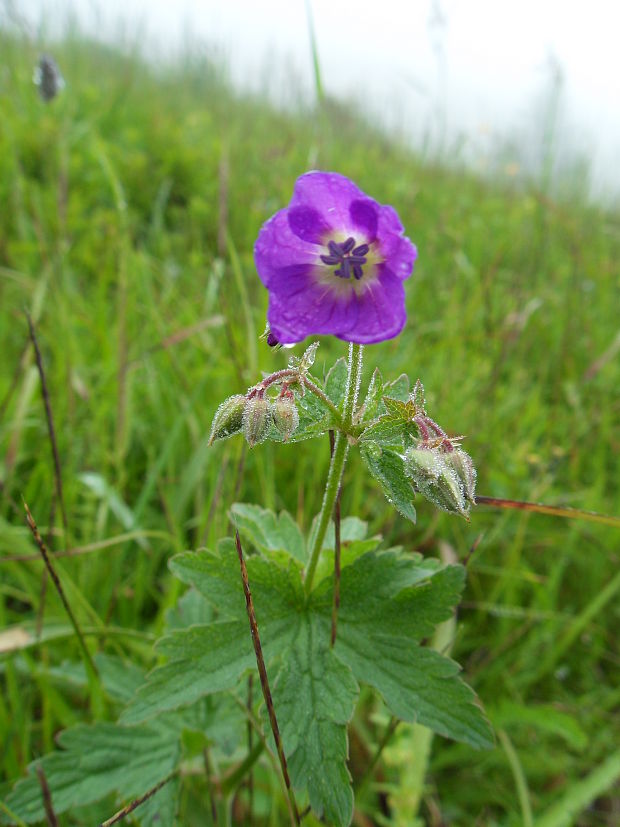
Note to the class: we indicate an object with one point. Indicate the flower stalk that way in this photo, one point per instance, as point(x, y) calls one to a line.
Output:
point(339, 458)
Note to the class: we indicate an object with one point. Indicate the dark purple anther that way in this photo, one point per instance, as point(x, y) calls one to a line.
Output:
point(272, 340)
point(348, 256)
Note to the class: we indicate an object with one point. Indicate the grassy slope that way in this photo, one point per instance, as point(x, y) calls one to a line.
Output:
point(117, 201)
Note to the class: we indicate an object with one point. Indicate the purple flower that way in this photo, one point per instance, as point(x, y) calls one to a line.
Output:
point(334, 262)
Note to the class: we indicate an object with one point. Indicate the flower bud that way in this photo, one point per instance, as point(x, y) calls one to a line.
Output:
point(423, 465)
point(257, 419)
point(447, 493)
point(462, 465)
point(228, 418)
point(436, 481)
point(285, 416)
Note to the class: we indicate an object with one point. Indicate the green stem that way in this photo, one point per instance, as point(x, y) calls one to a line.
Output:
point(338, 461)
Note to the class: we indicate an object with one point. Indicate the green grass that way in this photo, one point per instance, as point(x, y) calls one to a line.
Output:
point(130, 206)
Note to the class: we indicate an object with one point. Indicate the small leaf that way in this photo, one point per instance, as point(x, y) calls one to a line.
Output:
point(398, 388)
point(267, 532)
point(307, 360)
point(370, 407)
point(386, 431)
point(336, 382)
point(387, 468)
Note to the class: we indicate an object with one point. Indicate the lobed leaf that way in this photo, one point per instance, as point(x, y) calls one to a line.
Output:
point(314, 696)
point(417, 684)
point(95, 761)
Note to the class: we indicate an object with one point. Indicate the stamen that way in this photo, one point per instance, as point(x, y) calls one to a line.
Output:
point(349, 258)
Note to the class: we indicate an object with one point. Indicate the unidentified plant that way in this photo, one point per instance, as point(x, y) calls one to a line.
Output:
point(320, 615)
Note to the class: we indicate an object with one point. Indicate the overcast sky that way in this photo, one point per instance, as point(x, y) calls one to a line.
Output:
point(469, 73)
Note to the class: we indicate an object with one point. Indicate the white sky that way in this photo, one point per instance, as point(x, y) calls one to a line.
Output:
point(481, 74)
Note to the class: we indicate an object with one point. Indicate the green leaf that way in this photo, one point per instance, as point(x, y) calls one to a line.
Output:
point(314, 696)
point(190, 609)
point(353, 544)
point(95, 761)
point(388, 431)
point(212, 657)
point(398, 388)
point(204, 660)
point(394, 591)
point(336, 382)
point(267, 532)
point(387, 468)
point(314, 418)
point(370, 407)
point(388, 603)
point(417, 684)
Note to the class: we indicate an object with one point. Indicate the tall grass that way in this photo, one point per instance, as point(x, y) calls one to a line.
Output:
point(129, 210)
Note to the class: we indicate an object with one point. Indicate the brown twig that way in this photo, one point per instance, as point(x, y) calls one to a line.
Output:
point(46, 558)
point(264, 682)
point(52, 819)
point(129, 808)
point(250, 745)
point(472, 549)
point(336, 600)
point(50, 424)
point(41, 607)
point(553, 510)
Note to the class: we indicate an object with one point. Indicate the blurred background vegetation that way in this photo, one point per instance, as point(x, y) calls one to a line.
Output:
point(130, 205)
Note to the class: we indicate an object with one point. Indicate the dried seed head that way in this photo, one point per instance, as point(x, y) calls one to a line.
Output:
point(48, 78)
point(228, 419)
point(257, 419)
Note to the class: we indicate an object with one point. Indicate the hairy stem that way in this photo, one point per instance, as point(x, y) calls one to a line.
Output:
point(294, 374)
point(338, 461)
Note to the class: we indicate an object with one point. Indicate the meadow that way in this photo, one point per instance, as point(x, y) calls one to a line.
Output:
point(129, 209)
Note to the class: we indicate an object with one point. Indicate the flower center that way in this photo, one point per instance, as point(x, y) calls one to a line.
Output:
point(348, 257)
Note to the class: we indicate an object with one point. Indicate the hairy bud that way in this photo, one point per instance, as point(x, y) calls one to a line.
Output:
point(462, 464)
point(257, 418)
point(435, 480)
point(423, 465)
point(285, 416)
point(228, 418)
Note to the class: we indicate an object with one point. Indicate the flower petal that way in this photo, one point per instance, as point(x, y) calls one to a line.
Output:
point(364, 214)
point(308, 224)
point(277, 245)
point(396, 249)
point(381, 310)
point(331, 193)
